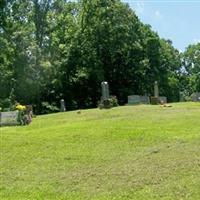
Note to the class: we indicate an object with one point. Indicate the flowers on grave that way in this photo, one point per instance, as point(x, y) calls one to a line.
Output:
point(20, 107)
point(24, 114)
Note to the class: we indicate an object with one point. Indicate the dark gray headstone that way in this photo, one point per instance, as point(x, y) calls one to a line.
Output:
point(144, 100)
point(105, 90)
point(136, 99)
point(62, 105)
point(133, 99)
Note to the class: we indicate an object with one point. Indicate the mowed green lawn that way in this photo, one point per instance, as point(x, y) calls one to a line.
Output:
point(131, 152)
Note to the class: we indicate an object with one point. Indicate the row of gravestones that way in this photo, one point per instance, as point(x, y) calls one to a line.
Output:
point(134, 99)
point(137, 99)
point(11, 118)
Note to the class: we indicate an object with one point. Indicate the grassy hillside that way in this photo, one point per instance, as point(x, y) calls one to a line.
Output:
point(131, 152)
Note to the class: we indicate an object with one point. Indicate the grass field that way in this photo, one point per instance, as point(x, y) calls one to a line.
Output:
point(132, 152)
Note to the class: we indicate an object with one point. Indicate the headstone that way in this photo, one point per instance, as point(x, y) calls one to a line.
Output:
point(134, 99)
point(195, 97)
point(163, 99)
point(62, 105)
point(105, 91)
point(154, 100)
point(144, 100)
point(156, 90)
point(137, 99)
point(9, 118)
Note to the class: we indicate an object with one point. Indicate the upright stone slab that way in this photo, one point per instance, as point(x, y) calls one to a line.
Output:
point(105, 90)
point(144, 100)
point(163, 99)
point(155, 99)
point(133, 99)
point(195, 97)
point(137, 99)
point(156, 90)
point(9, 118)
point(62, 105)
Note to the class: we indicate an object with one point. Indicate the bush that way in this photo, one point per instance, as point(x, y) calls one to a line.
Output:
point(5, 104)
point(185, 96)
point(109, 103)
point(113, 101)
point(48, 108)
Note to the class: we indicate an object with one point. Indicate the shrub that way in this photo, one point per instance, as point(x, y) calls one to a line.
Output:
point(5, 104)
point(108, 103)
point(48, 108)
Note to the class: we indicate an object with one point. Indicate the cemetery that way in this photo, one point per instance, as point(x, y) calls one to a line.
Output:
point(107, 153)
point(107, 100)
point(115, 86)
point(155, 100)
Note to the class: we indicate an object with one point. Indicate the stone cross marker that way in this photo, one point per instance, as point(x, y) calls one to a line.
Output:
point(156, 90)
point(62, 105)
point(105, 90)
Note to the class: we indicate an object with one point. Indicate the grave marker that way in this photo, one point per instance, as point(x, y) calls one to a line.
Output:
point(144, 100)
point(105, 90)
point(62, 105)
point(195, 97)
point(9, 118)
point(156, 90)
point(133, 99)
point(137, 99)
point(163, 99)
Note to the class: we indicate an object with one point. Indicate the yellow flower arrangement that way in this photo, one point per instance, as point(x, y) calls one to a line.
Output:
point(20, 107)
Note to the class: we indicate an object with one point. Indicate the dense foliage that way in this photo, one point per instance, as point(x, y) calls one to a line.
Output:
point(53, 49)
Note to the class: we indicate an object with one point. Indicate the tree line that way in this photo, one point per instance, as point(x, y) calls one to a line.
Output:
point(59, 49)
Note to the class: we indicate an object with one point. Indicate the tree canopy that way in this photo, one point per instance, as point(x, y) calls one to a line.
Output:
point(53, 49)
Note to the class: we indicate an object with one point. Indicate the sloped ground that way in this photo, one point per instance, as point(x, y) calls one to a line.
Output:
point(131, 152)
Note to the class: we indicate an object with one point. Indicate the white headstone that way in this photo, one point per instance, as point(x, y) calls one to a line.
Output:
point(9, 118)
point(105, 90)
point(62, 105)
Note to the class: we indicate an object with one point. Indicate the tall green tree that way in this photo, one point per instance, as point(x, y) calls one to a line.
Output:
point(53, 49)
point(192, 67)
